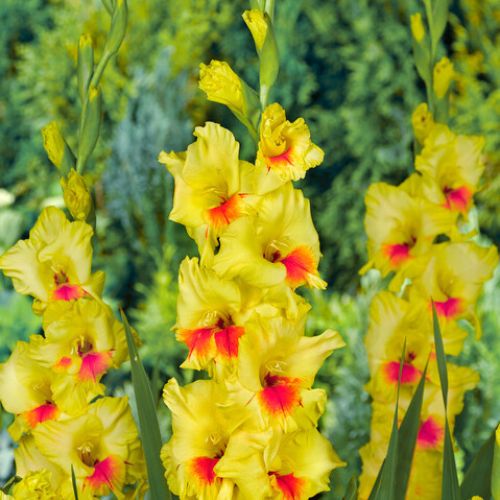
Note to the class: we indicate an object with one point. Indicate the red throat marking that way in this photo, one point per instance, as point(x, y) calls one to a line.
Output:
point(94, 364)
point(228, 211)
point(199, 340)
point(280, 395)
point(289, 485)
point(203, 469)
point(409, 373)
point(397, 253)
point(68, 292)
point(429, 434)
point(299, 264)
point(457, 199)
point(47, 411)
point(105, 473)
point(448, 308)
point(280, 160)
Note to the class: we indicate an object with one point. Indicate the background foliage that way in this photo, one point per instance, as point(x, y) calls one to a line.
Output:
point(346, 66)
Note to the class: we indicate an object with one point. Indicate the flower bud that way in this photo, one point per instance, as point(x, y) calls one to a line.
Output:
point(223, 85)
point(417, 27)
point(442, 76)
point(76, 195)
point(256, 23)
point(85, 66)
point(57, 150)
point(118, 27)
point(422, 122)
point(90, 127)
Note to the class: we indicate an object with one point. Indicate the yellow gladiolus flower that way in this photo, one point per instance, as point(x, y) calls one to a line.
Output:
point(454, 163)
point(280, 245)
point(102, 445)
point(76, 195)
point(26, 389)
point(256, 23)
point(35, 485)
point(29, 460)
point(272, 465)
point(443, 74)
point(417, 27)
point(55, 262)
point(401, 230)
point(201, 429)
point(277, 365)
point(82, 341)
point(223, 85)
point(453, 279)
point(285, 149)
point(422, 122)
point(207, 311)
point(211, 184)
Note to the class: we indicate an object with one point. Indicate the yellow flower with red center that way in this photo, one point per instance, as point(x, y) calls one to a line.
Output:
point(454, 163)
point(293, 466)
point(26, 389)
point(201, 428)
point(102, 445)
point(401, 230)
point(278, 245)
point(82, 341)
point(55, 262)
point(277, 365)
point(212, 186)
point(453, 286)
point(285, 150)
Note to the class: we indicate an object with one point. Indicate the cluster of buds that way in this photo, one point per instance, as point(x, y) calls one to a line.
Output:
point(416, 232)
point(52, 384)
point(250, 431)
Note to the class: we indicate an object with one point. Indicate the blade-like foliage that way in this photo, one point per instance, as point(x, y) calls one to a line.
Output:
point(408, 432)
point(73, 483)
point(352, 488)
point(148, 421)
point(450, 488)
point(477, 479)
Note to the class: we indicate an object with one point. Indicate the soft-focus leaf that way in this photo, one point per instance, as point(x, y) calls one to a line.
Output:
point(450, 488)
point(148, 421)
point(477, 479)
point(73, 483)
point(408, 432)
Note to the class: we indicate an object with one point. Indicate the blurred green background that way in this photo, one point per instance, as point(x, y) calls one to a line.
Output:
point(346, 67)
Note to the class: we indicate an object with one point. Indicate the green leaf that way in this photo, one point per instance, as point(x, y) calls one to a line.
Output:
point(73, 483)
point(352, 488)
point(148, 420)
point(477, 479)
point(384, 487)
point(439, 18)
point(408, 432)
point(450, 488)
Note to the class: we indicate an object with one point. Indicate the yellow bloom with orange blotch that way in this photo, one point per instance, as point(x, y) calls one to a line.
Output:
point(212, 186)
point(401, 230)
point(277, 365)
point(83, 340)
point(208, 309)
point(454, 163)
point(55, 262)
point(26, 389)
point(285, 149)
point(102, 445)
point(283, 466)
point(453, 279)
point(201, 428)
point(278, 245)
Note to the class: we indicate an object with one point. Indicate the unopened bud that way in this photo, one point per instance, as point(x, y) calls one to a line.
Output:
point(442, 77)
point(257, 25)
point(57, 150)
point(417, 27)
point(76, 195)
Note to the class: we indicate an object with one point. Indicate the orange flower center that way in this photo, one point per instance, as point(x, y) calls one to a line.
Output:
point(290, 486)
point(225, 213)
point(203, 469)
point(47, 411)
point(430, 434)
point(280, 395)
point(457, 199)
